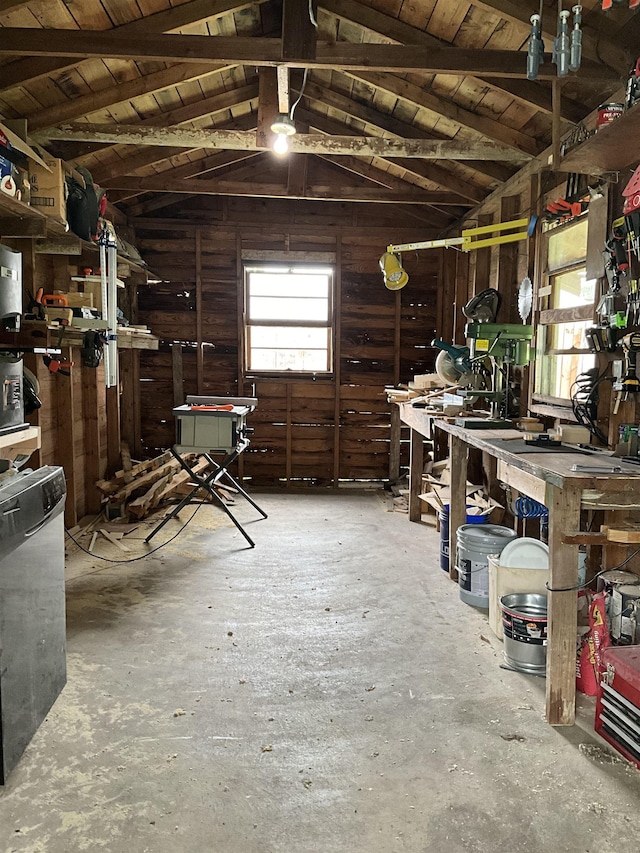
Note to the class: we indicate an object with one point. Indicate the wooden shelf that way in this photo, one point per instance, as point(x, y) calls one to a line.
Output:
point(613, 147)
point(36, 334)
point(18, 219)
point(15, 443)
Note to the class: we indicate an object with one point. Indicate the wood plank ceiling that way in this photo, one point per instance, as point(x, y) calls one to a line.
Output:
point(420, 104)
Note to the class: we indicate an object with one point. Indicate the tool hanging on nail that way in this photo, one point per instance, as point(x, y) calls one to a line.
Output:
point(535, 51)
point(57, 366)
point(609, 4)
point(567, 45)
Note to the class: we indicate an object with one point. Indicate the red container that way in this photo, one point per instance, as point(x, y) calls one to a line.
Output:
point(608, 113)
point(618, 703)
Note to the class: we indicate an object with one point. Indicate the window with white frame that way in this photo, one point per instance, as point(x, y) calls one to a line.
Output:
point(569, 297)
point(288, 318)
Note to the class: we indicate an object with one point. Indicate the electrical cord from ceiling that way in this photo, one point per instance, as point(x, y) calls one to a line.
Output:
point(304, 83)
point(312, 17)
point(142, 556)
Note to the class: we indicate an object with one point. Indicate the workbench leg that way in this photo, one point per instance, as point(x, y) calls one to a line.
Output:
point(458, 456)
point(416, 468)
point(564, 514)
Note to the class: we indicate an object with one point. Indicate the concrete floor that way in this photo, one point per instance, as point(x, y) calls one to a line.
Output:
point(326, 691)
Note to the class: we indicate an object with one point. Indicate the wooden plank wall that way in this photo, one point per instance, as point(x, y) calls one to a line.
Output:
point(72, 418)
point(306, 431)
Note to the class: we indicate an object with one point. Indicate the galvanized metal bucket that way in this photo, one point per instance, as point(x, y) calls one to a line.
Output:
point(524, 624)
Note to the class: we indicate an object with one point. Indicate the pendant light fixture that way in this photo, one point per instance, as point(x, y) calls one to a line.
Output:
point(283, 127)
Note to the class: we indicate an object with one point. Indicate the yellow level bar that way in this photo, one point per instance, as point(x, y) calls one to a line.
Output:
point(426, 244)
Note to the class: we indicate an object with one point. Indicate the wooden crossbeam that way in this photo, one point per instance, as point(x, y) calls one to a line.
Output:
point(31, 68)
point(371, 19)
point(242, 140)
point(319, 192)
point(243, 50)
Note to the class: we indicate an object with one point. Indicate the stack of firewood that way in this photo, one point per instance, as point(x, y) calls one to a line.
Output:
point(137, 490)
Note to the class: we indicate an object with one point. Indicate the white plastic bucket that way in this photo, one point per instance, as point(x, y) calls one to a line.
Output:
point(504, 580)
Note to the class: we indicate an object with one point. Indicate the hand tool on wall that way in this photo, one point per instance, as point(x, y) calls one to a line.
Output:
point(56, 366)
point(630, 383)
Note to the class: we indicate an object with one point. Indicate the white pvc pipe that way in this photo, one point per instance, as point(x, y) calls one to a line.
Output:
point(112, 316)
point(104, 311)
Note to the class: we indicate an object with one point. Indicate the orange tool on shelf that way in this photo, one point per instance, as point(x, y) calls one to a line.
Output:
point(225, 408)
point(54, 300)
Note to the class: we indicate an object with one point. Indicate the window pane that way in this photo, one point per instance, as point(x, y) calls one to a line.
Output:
point(568, 335)
point(288, 337)
point(573, 288)
point(286, 348)
point(289, 285)
point(555, 374)
point(283, 359)
point(568, 245)
point(278, 308)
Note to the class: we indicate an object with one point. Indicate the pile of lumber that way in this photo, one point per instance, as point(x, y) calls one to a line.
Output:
point(138, 489)
point(437, 494)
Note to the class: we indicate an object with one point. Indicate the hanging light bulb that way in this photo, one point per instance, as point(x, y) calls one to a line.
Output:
point(283, 127)
point(281, 145)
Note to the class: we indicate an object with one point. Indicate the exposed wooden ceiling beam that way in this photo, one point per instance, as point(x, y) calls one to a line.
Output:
point(241, 140)
point(121, 92)
point(299, 35)
point(319, 192)
point(414, 95)
point(267, 107)
point(12, 5)
point(383, 179)
point(283, 89)
point(199, 112)
point(151, 155)
point(226, 163)
point(31, 67)
point(388, 124)
point(531, 94)
point(427, 170)
point(241, 50)
point(595, 44)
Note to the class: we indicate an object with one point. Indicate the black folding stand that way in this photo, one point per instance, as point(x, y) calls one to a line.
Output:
point(219, 472)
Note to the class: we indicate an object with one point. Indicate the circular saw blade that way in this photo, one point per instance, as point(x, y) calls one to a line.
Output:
point(446, 369)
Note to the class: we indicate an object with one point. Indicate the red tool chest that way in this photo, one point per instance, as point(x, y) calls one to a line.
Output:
point(618, 703)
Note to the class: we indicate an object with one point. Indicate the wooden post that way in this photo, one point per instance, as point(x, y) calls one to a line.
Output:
point(508, 265)
point(459, 454)
point(482, 258)
point(288, 463)
point(67, 431)
point(416, 464)
point(113, 428)
point(564, 514)
point(337, 354)
point(93, 467)
point(394, 444)
point(131, 414)
point(200, 350)
point(178, 380)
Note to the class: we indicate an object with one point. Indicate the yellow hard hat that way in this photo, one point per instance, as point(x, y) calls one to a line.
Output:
point(394, 275)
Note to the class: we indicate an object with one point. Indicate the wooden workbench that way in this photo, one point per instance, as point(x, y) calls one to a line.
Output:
point(547, 478)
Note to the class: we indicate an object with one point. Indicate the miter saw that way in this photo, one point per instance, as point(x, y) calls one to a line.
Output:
point(481, 369)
